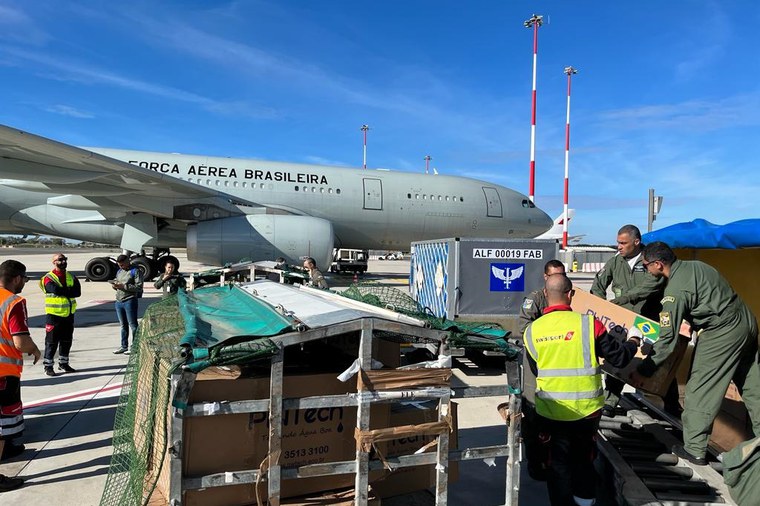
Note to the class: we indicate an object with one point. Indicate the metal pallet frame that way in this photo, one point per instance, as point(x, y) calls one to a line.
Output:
point(182, 383)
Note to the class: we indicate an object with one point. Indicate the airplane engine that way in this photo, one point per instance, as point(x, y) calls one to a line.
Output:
point(260, 237)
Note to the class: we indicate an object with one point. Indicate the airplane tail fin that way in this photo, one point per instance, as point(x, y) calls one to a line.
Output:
point(556, 231)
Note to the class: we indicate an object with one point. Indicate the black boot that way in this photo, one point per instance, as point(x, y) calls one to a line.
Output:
point(8, 483)
point(66, 368)
point(49, 371)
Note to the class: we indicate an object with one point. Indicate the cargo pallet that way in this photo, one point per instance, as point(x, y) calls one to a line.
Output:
point(182, 383)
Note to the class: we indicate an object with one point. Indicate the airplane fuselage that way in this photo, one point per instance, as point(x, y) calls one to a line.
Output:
point(369, 209)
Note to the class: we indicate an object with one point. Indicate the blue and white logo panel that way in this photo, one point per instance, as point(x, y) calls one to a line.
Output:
point(429, 276)
point(507, 277)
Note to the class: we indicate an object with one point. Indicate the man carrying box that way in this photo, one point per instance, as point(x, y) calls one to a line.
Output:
point(726, 348)
point(634, 289)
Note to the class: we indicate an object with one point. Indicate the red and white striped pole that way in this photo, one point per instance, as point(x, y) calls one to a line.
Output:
point(534, 22)
point(427, 163)
point(364, 129)
point(569, 71)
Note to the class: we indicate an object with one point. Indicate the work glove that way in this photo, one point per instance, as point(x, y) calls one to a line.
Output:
point(619, 301)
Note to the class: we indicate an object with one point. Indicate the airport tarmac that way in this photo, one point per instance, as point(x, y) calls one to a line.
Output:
point(69, 418)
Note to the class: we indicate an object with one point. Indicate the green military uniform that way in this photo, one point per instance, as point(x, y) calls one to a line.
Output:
point(741, 471)
point(634, 289)
point(532, 307)
point(726, 347)
point(317, 279)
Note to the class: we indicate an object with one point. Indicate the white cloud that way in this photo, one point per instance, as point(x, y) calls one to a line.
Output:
point(66, 110)
point(17, 27)
point(61, 69)
point(691, 115)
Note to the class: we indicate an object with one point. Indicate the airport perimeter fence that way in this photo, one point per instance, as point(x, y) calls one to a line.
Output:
point(140, 435)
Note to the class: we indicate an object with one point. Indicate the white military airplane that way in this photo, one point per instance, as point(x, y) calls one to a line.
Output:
point(225, 209)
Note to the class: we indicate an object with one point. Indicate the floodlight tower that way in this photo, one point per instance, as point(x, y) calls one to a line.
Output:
point(427, 163)
point(534, 22)
point(364, 129)
point(569, 71)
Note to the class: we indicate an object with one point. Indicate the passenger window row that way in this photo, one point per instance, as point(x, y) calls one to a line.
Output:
point(439, 198)
point(253, 185)
point(314, 189)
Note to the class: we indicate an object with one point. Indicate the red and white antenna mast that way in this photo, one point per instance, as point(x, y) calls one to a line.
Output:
point(364, 129)
point(534, 22)
point(427, 163)
point(569, 71)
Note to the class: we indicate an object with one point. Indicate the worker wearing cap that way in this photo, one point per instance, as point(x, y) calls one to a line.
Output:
point(634, 289)
point(726, 347)
point(61, 289)
point(564, 348)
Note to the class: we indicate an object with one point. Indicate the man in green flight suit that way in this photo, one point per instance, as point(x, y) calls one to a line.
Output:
point(634, 289)
point(726, 347)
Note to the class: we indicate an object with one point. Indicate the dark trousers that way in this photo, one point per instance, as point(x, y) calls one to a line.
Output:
point(59, 335)
point(126, 311)
point(570, 448)
point(535, 453)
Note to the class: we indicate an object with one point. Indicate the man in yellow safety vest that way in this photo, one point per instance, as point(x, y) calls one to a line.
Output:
point(563, 352)
point(61, 290)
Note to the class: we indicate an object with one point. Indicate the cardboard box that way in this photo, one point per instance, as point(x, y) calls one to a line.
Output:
point(618, 320)
point(236, 442)
point(410, 479)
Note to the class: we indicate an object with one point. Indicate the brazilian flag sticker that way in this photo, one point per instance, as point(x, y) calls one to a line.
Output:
point(649, 329)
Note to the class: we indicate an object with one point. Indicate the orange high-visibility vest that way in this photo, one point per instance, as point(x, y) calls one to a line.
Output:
point(11, 360)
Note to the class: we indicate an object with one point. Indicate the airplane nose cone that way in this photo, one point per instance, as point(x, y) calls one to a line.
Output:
point(541, 221)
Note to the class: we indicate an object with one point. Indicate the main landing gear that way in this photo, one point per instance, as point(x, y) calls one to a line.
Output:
point(104, 268)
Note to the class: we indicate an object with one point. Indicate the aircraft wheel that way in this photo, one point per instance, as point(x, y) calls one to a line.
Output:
point(100, 269)
point(147, 267)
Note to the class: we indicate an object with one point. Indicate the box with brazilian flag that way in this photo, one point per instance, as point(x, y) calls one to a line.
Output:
point(618, 321)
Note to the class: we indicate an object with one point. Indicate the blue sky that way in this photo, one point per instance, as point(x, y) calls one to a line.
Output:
point(667, 95)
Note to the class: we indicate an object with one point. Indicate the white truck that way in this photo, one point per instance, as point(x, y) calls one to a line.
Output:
point(349, 260)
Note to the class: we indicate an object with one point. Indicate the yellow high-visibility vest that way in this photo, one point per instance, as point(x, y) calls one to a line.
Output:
point(569, 381)
point(55, 304)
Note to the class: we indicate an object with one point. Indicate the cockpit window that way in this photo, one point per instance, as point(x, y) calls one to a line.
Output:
point(528, 203)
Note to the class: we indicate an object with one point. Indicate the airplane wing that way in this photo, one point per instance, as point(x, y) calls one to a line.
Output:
point(33, 163)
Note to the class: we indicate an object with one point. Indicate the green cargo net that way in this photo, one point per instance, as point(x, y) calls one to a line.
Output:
point(468, 335)
point(211, 326)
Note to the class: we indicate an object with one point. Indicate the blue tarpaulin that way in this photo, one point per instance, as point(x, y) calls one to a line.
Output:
point(703, 234)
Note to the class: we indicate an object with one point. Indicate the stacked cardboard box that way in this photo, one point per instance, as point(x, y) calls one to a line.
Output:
point(409, 479)
point(236, 442)
point(618, 321)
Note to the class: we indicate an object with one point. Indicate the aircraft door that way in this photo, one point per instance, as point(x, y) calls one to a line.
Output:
point(493, 202)
point(373, 194)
